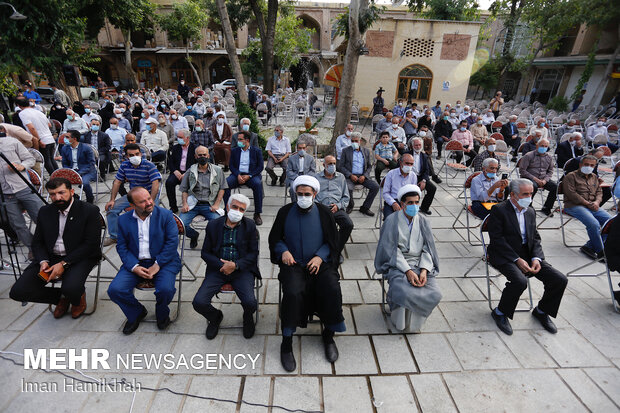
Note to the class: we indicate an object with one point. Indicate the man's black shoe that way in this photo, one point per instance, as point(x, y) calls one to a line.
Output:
point(436, 178)
point(546, 211)
point(288, 359)
point(248, 324)
point(426, 212)
point(588, 251)
point(162, 325)
point(258, 220)
point(174, 210)
point(617, 296)
point(545, 321)
point(131, 327)
point(349, 209)
point(214, 326)
point(274, 181)
point(193, 243)
point(331, 351)
point(367, 212)
point(502, 322)
point(600, 256)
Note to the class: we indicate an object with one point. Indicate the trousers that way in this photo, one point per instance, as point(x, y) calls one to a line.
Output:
point(242, 283)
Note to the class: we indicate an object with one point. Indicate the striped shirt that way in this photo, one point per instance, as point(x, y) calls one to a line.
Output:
point(142, 175)
point(385, 151)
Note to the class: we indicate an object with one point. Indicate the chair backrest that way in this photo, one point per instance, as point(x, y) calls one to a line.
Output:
point(454, 146)
point(261, 107)
point(497, 136)
point(521, 125)
point(180, 225)
point(145, 150)
point(56, 124)
point(612, 128)
point(501, 146)
point(606, 150)
point(470, 178)
point(38, 156)
point(496, 124)
point(600, 139)
point(95, 152)
point(69, 174)
point(529, 138)
point(565, 137)
point(190, 119)
point(605, 227)
point(36, 180)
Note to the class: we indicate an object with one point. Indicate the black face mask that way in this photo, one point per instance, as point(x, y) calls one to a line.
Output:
point(202, 161)
point(209, 114)
point(62, 204)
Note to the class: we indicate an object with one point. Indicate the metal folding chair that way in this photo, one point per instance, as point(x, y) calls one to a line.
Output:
point(605, 231)
point(468, 211)
point(454, 147)
point(71, 175)
point(258, 284)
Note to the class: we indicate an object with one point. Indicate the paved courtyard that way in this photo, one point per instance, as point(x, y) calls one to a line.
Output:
point(460, 361)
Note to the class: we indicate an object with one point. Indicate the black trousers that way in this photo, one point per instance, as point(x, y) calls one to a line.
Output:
point(430, 195)
point(553, 280)
point(304, 294)
point(104, 164)
point(30, 287)
point(171, 184)
point(470, 156)
point(514, 144)
point(479, 210)
point(345, 227)
point(242, 283)
point(48, 157)
point(552, 187)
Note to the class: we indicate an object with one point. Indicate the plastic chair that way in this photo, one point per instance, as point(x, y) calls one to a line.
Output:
point(258, 284)
point(36, 180)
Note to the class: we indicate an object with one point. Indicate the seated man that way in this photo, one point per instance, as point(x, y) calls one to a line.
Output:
point(177, 121)
point(65, 246)
point(356, 165)
point(202, 136)
point(386, 155)
point(303, 242)
point(467, 140)
point(573, 165)
point(537, 166)
point(205, 183)
point(334, 194)
point(531, 145)
point(156, 140)
point(568, 127)
point(479, 132)
point(300, 163)
point(222, 134)
point(147, 246)
point(489, 152)
point(179, 161)
point(343, 140)
point(278, 151)
point(487, 188)
point(540, 126)
point(407, 258)
point(397, 135)
point(443, 131)
point(231, 252)
point(582, 199)
point(384, 123)
point(599, 128)
point(80, 158)
point(396, 179)
point(514, 249)
point(138, 172)
point(246, 166)
point(422, 170)
point(102, 142)
point(116, 133)
point(511, 135)
point(74, 122)
point(569, 149)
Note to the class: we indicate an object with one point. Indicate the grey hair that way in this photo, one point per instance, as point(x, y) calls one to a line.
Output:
point(416, 140)
point(577, 134)
point(516, 184)
point(186, 133)
point(279, 127)
point(241, 121)
point(489, 161)
point(356, 135)
point(543, 140)
point(239, 198)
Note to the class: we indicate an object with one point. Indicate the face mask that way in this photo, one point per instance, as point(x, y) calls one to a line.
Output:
point(58, 107)
point(182, 83)
point(489, 114)
point(118, 115)
point(181, 141)
point(458, 105)
point(301, 152)
point(542, 124)
point(466, 113)
point(151, 111)
point(202, 161)
point(347, 133)
point(86, 110)
point(198, 129)
point(524, 202)
point(407, 169)
point(162, 121)
point(240, 144)
point(491, 175)
point(143, 115)
point(70, 117)
point(245, 127)
point(189, 108)
point(31, 104)
point(572, 143)
point(234, 215)
point(491, 148)
point(121, 96)
point(400, 104)
point(175, 117)
point(331, 169)
point(422, 133)
point(304, 202)
point(94, 128)
point(221, 122)
point(163, 106)
point(135, 160)
point(445, 118)
point(66, 141)
point(453, 115)
point(479, 122)
point(463, 128)
point(542, 149)
point(599, 123)
point(395, 125)
point(113, 126)
point(355, 146)
point(587, 170)
point(412, 210)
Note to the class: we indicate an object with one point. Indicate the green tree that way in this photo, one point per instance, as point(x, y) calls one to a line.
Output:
point(185, 23)
point(239, 12)
point(460, 10)
point(231, 50)
point(267, 29)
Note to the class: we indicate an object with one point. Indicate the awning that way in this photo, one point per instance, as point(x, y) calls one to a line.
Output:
point(333, 75)
point(572, 60)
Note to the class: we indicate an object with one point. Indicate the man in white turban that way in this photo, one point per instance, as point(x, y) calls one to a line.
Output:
point(304, 243)
point(407, 258)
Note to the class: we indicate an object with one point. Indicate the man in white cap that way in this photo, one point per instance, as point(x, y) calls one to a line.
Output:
point(407, 258)
point(304, 243)
point(156, 140)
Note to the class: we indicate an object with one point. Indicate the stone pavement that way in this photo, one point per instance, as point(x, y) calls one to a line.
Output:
point(460, 361)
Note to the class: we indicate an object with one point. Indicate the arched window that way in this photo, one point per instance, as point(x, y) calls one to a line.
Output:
point(414, 83)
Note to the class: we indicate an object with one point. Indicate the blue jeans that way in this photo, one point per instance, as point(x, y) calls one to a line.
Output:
point(86, 180)
point(121, 291)
point(119, 206)
point(188, 217)
point(593, 221)
point(255, 184)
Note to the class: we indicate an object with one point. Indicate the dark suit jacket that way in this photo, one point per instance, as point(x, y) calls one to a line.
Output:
point(507, 131)
point(564, 153)
point(256, 161)
point(247, 245)
point(253, 140)
point(163, 240)
point(82, 234)
point(85, 158)
point(292, 168)
point(424, 167)
point(346, 161)
point(612, 245)
point(505, 235)
point(174, 160)
point(104, 143)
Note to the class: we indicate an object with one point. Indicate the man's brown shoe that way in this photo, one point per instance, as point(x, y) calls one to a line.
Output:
point(78, 310)
point(61, 307)
point(258, 220)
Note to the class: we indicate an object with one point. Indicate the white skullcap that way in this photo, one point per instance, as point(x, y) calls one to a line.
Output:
point(307, 180)
point(221, 112)
point(151, 120)
point(407, 189)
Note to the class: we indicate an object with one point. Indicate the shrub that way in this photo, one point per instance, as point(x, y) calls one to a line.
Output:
point(245, 111)
point(558, 103)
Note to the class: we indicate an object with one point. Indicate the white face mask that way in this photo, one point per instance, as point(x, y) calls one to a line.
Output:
point(395, 125)
point(355, 146)
point(304, 202)
point(422, 133)
point(491, 148)
point(347, 133)
point(407, 169)
point(599, 123)
point(479, 122)
point(234, 215)
point(118, 115)
point(175, 117)
point(587, 170)
point(453, 115)
point(220, 121)
point(113, 126)
point(135, 160)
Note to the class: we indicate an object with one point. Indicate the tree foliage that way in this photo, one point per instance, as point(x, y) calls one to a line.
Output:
point(239, 12)
point(367, 18)
point(459, 10)
point(185, 22)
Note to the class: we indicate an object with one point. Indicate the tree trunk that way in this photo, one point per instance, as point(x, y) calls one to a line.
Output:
point(267, 32)
point(133, 77)
point(189, 61)
point(349, 72)
point(600, 89)
point(231, 49)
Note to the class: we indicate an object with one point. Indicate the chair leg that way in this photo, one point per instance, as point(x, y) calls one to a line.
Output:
point(384, 306)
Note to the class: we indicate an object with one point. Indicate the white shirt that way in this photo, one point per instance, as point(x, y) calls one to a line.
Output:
point(277, 146)
point(521, 219)
point(74, 157)
point(77, 124)
point(144, 252)
point(180, 123)
point(301, 165)
point(597, 130)
point(157, 141)
point(487, 119)
point(59, 245)
point(397, 135)
point(416, 163)
point(39, 122)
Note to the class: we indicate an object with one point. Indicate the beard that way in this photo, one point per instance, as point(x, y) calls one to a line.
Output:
point(62, 204)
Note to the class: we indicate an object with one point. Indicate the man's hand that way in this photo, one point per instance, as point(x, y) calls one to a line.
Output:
point(140, 271)
point(17, 166)
point(240, 179)
point(354, 178)
point(422, 277)
point(396, 207)
point(361, 179)
point(178, 174)
point(535, 266)
point(334, 208)
point(413, 278)
point(385, 161)
point(44, 266)
point(594, 206)
point(153, 269)
point(185, 207)
point(56, 271)
point(522, 264)
point(314, 264)
point(422, 185)
point(109, 205)
point(228, 267)
point(287, 258)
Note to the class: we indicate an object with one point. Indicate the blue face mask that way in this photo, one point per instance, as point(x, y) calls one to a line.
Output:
point(86, 110)
point(524, 202)
point(463, 129)
point(94, 128)
point(240, 144)
point(180, 141)
point(67, 142)
point(542, 124)
point(245, 127)
point(412, 210)
point(189, 108)
point(491, 175)
point(542, 149)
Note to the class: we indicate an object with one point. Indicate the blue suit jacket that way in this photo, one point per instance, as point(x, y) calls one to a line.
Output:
point(163, 240)
point(256, 161)
point(85, 158)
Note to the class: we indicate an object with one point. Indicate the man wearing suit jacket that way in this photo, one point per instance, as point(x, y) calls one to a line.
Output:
point(179, 161)
point(300, 163)
point(147, 246)
point(230, 251)
point(515, 250)
point(102, 142)
point(246, 165)
point(66, 245)
point(356, 165)
point(80, 158)
point(569, 149)
point(421, 168)
point(244, 125)
point(511, 135)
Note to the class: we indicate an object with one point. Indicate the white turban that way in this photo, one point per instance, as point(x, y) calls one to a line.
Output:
point(407, 189)
point(307, 180)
